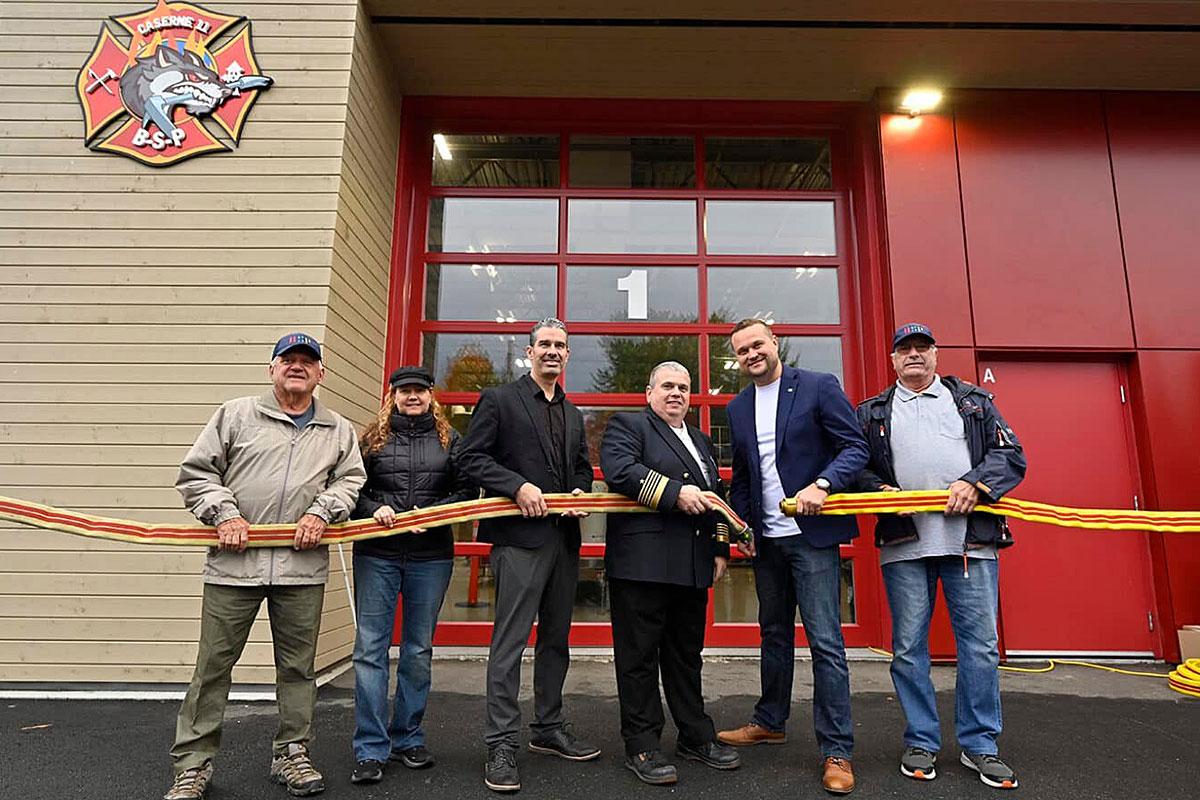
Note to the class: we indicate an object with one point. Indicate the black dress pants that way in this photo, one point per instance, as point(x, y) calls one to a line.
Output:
point(659, 626)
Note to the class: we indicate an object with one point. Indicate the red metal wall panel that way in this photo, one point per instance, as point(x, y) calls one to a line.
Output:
point(1043, 249)
point(1155, 141)
point(1169, 381)
point(924, 225)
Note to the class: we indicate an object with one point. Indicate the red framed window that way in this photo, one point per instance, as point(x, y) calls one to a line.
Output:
point(648, 235)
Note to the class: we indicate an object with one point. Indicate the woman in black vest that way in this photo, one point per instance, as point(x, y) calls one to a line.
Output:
point(407, 455)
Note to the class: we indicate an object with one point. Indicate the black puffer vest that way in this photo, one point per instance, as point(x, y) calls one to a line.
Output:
point(412, 470)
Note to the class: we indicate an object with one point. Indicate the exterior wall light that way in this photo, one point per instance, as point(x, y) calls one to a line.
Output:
point(918, 101)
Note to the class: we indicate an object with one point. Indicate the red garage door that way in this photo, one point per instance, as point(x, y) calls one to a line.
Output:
point(1065, 590)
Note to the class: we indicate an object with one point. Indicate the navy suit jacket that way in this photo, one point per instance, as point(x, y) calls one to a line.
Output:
point(642, 459)
point(817, 435)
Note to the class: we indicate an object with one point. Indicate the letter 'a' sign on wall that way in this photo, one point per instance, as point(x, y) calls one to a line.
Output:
point(145, 100)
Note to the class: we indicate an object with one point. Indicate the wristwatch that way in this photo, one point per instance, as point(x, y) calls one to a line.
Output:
point(823, 484)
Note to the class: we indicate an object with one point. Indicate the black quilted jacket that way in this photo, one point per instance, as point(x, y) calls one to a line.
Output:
point(412, 470)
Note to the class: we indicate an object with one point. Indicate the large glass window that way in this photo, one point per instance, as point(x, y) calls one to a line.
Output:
point(503, 292)
point(770, 227)
point(493, 225)
point(495, 161)
point(625, 294)
point(633, 162)
point(631, 226)
point(801, 295)
point(767, 163)
point(471, 362)
point(617, 364)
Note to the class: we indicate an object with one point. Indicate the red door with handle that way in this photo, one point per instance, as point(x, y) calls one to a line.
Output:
point(1066, 590)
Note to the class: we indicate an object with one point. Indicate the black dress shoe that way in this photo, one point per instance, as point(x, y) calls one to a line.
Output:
point(500, 773)
point(564, 744)
point(714, 754)
point(652, 768)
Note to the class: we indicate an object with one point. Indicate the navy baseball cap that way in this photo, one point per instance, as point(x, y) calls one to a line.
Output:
point(411, 376)
point(912, 329)
point(294, 340)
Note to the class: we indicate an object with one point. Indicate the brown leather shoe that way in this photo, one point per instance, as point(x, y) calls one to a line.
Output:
point(839, 776)
point(749, 734)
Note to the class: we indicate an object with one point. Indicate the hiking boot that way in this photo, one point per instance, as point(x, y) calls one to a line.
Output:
point(837, 775)
point(750, 734)
point(191, 784)
point(651, 767)
point(500, 773)
point(991, 769)
point(293, 769)
point(368, 771)
point(563, 743)
point(919, 764)
point(417, 757)
point(713, 754)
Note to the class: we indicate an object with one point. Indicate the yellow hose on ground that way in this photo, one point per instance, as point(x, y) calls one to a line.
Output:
point(1184, 679)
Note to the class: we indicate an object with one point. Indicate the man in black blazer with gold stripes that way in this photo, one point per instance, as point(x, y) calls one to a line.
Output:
point(660, 567)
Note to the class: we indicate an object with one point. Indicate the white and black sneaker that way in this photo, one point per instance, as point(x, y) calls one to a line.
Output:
point(417, 757)
point(367, 771)
point(918, 764)
point(991, 769)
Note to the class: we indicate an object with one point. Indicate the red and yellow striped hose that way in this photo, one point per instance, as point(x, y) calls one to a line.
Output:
point(1185, 679)
point(123, 530)
point(1062, 516)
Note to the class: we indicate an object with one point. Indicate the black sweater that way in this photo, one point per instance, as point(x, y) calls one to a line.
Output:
point(412, 470)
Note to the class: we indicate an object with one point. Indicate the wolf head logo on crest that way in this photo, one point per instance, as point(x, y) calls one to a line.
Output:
point(166, 80)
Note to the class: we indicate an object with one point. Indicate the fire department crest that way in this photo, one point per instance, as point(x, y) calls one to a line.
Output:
point(182, 63)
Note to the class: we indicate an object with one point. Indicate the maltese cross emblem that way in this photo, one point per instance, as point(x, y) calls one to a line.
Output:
point(183, 63)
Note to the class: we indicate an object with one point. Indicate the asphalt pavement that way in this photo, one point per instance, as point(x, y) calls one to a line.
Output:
point(1068, 735)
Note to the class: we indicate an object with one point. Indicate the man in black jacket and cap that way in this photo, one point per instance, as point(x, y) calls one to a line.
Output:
point(526, 439)
point(659, 569)
point(927, 432)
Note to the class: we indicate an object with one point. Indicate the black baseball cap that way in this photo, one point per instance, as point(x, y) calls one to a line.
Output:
point(409, 376)
point(912, 329)
point(294, 340)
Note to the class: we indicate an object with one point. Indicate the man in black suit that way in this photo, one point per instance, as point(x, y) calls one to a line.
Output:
point(526, 438)
point(659, 569)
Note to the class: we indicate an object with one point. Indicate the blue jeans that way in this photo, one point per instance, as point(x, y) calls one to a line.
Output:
point(789, 571)
point(378, 582)
point(972, 601)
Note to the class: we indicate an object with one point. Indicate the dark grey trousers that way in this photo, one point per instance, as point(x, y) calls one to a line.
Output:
point(530, 583)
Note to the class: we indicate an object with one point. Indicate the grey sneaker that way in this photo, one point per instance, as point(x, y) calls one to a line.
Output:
point(293, 769)
point(191, 784)
point(991, 769)
point(919, 764)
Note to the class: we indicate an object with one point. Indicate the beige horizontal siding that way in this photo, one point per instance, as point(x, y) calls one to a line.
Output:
point(134, 300)
point(356, 325)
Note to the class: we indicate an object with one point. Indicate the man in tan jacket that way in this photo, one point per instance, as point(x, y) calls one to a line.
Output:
point(279, 458)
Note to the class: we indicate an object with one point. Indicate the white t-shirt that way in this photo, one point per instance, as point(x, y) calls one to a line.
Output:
point(682, 433)
point(766, 405)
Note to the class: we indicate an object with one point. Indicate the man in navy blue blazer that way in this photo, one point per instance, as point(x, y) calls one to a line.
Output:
point(795, 434)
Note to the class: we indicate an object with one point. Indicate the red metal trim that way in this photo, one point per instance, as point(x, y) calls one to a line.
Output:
point(546, 193)
point(628, 328)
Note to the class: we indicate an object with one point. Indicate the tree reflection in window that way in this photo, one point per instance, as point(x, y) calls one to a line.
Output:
point(627, 361)
point(471, 370)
